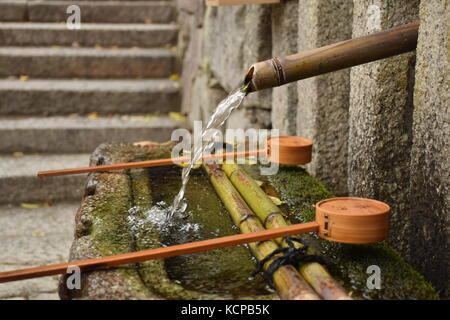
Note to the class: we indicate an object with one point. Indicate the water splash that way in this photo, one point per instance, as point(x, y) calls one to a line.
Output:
point(220, 115)
point(157, 216)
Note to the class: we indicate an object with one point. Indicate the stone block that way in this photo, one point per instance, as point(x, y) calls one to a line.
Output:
point(235, 38)
point(90, 35)
point(284, 42)
point(103, 11)
point(47, 62)
point(58, 97)
point(322, 113)
point(191, 51)
point(381, 106)
point(195, 8)
point(75, 134)
point(206, 95)
point(13, 10)
point(246, 118)
point(430, 152)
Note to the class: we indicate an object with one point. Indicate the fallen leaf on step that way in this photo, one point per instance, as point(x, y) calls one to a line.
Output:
point(174, 76)
point(24, 78)
point(150, 117)
point(92, 115)
point(97, 46)
point(38, 234)
point(177, 116)
point(18, 154)
point(147, 21)
point(34, 205)
point(55, 47)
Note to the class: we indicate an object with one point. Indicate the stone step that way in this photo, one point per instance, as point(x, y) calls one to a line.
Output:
point(20, 184)
point(58, 97)
point(80, 134)
point(13, 10)
point(34, 237)
point(120, 35)
point(104, 11)
point(91, 11)
point(39, 62)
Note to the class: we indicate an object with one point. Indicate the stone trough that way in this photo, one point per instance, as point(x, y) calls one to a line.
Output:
point(113, 219)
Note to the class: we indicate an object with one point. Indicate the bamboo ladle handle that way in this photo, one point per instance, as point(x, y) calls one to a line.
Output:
point(143, 164)
point(159, 253)
point(347, 220)
point(287, 150)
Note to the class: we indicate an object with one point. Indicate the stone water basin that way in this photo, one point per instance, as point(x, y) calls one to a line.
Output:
point(122, 211)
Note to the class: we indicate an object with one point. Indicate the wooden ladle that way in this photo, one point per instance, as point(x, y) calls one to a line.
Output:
point(347, 220)
point(287, 150)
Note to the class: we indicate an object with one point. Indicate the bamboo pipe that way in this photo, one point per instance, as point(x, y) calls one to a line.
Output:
point(316, 275)
point(278, 71)
point(287, 281)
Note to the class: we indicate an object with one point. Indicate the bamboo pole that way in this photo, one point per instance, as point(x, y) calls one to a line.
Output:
point(287, 281)
point(278, 71)
point(316, 275)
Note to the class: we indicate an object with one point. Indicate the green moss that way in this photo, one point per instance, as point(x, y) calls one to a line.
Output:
point(117, 195)
point(108, 209)
point(348, 263)
point(110, 229)
point(109, 232)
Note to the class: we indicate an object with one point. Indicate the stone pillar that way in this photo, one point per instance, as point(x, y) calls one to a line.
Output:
point(322, 113)
point(190, 50)
point(381, 106)
point(235, 38)
point(430, 154)
point(284, 42)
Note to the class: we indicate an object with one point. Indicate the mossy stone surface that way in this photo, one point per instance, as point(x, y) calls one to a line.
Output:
point(106, 225)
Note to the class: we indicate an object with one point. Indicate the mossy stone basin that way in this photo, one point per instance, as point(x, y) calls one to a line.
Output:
point(120, 212)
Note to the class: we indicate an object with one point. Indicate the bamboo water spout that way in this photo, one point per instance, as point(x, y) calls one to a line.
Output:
point(278, 71)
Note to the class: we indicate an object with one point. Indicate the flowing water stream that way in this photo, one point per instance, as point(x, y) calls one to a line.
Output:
point(220, 115)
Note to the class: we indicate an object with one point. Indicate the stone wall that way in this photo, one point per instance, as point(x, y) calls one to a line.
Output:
point(380, 130)
point(323, 101)
point(217, 47)
point(429, 218)
point(381, 109)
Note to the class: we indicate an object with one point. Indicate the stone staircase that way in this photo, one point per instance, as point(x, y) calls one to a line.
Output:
point(62, 93)
point(116, 68)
